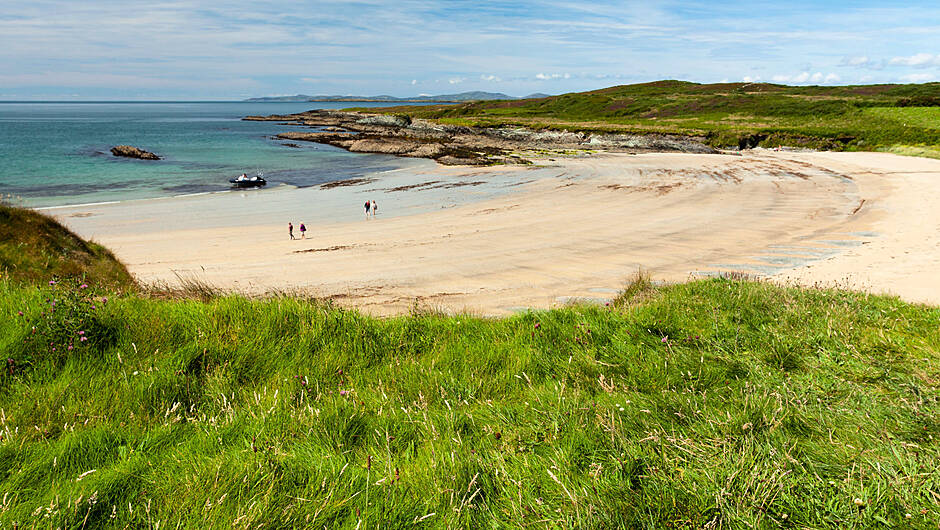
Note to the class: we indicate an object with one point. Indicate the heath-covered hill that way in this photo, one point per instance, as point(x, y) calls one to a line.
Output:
point(721, 403)
point(904, 118)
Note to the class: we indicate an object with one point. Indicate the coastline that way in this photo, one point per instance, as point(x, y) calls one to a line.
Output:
point(518, 237)
point(455, 145)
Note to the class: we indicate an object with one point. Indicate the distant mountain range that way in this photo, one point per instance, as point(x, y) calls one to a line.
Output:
point(444, 98)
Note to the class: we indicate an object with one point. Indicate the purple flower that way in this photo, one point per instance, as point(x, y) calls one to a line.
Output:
point(84, 339)
point(70, 347)
point(105, 299)
point(20, 313)
point(343, 392)
point(93, 306)
point(665, 339)
point(83, 286)
point(538, 325)
point(51, 282)
point(81, 332)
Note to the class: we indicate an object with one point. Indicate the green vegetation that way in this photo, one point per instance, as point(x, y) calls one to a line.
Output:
point(35, 247)
point(715, 403)
point(865, 117)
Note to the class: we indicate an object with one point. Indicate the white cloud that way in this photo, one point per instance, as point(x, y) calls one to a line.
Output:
point(751, 79)
point(920, 78)
point(857, 61)
point(806, 77)
point(414, 81)
point(456, 80)
point(549, 77)
point(920, 60)
point(490, 77)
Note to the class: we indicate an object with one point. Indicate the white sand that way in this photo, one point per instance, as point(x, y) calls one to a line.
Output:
point(494, 240)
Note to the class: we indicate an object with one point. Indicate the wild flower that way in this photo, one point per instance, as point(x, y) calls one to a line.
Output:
point(83, 286)
point(665, 339)
point(20, 313)
point(538, 325)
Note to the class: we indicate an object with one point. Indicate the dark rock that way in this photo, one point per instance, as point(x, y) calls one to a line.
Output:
point(130, 151)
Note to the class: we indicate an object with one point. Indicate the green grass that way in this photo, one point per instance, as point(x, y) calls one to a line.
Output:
point(865, 117)
point(914, 150)
point(716, 403)
point(924, 117)
point(35, 247)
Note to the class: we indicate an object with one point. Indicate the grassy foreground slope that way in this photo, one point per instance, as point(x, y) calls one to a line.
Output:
point(864, 117)
point(35, 247)
point(716, 403)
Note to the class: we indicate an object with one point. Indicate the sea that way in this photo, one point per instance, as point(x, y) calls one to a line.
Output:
point(58, 153)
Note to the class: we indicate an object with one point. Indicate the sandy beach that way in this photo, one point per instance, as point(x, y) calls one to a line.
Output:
point(496, 240)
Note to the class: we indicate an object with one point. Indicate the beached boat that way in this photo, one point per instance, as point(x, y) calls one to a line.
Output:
point(244, 181)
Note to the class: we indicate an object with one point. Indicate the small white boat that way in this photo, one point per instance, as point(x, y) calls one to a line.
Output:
point(244, 181)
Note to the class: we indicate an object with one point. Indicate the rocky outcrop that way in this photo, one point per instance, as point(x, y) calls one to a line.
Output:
point(130, 151)
point(452, 144)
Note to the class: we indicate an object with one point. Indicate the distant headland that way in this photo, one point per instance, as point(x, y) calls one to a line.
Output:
point(443, 98)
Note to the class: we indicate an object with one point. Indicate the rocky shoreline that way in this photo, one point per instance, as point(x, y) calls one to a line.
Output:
point(459, 145)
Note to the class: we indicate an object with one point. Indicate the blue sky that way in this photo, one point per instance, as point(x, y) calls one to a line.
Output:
point(184, 49)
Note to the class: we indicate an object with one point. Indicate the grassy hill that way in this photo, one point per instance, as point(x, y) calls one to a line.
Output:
point(36, 248)
point(865, 117)
point(723, 403)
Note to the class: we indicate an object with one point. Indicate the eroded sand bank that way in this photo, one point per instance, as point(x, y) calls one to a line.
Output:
point(494, 240)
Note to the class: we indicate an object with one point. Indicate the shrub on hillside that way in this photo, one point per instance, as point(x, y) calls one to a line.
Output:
point(67, 323)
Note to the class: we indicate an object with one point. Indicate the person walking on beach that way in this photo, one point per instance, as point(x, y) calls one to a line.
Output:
point(290, 230)
point(375, 209)
point(367, 205)
point(303, 231)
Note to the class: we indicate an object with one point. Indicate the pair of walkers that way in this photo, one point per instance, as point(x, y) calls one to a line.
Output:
point(303, 231)
point(371, 206)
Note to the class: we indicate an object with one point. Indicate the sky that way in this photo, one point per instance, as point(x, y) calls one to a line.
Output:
point(194, 50)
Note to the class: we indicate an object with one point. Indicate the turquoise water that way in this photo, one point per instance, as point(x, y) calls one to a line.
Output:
point(59, 153)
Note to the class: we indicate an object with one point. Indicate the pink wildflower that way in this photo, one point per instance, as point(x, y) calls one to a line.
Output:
point(665, 339)
point(83, 286)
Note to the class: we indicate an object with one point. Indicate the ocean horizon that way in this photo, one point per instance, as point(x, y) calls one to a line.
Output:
point(58, 152)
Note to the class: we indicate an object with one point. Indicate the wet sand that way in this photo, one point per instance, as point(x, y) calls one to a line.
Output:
point(497, 240)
